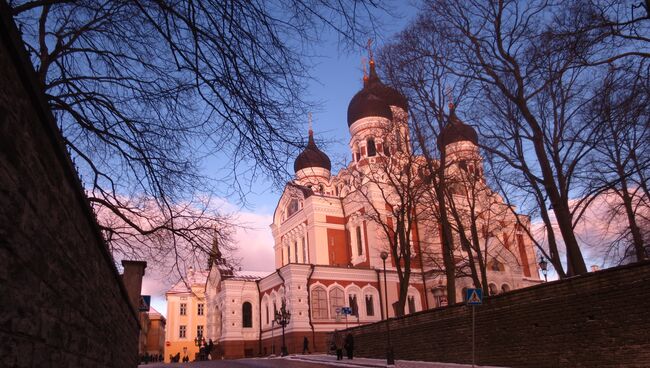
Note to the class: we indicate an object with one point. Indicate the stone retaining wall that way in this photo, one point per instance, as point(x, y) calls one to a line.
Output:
point(597, 320)
point(62, 303)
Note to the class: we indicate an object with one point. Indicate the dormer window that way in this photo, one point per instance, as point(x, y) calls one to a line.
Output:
point(372, 149)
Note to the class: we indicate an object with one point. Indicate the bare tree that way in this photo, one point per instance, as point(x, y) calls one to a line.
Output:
point(621, 160)
point(145, 90)
point(390, 188)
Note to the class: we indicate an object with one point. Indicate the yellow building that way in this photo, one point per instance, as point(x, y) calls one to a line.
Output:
point(155, 343)
point(186, 311)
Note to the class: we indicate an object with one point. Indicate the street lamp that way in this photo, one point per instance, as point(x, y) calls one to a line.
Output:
point(199, 341)
point(390, 360)
point(282, 318)
point(543, 265)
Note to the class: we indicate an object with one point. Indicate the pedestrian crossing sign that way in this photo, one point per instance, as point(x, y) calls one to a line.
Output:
point(474, 296)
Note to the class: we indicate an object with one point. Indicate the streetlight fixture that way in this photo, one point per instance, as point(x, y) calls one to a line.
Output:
point(543, 265)
point(282, 318)
point(390, 360)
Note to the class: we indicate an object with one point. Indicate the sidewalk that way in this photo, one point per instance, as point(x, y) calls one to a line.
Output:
point(367, 362)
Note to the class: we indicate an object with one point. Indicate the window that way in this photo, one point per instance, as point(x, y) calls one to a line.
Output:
point(359, 241)
point(319, 303)
point(199, 309)
point(493, 289)
point(275, 309)
point(370, 306)
point(496, 266)
point(439, 297)
point(247, 315)
point(182, 331)
point(505, 288)
point(199, 331)
point(183, 310)
point(386, 149)
point(288, 253)
point(464, 291)
point(352, 300)
point(372, 149)
point(411, 300)
point(337, 299)
point(293, 207)
point(267, 314)
point(295, 251)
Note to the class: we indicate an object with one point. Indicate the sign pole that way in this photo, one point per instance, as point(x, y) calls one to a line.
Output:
point(473, 334)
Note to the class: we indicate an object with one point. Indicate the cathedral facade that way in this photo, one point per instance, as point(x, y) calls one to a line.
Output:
point(330, 230)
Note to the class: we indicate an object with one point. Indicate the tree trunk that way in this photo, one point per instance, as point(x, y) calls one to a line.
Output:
point(447, 238)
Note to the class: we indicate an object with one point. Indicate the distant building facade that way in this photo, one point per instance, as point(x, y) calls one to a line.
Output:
point(186, 315)
point(327, 250)
point(155, 340)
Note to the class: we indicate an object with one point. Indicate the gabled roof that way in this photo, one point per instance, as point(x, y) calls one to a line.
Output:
point(194, 278)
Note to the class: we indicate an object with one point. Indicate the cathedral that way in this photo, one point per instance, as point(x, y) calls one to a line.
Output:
point(328, 244)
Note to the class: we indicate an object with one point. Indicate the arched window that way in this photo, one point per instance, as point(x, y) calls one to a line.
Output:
point(370, 306)
point(319, 303)
point(337, 300)
point(505, 288)
point(352, 300)
point(493, 289)
point(267, 313)
point(247, 314)
point(359, 241)
point(386, 149)
point(464, 291)
point(496, 266)
point(372, 149)
point(294, 206)
point(411, 300)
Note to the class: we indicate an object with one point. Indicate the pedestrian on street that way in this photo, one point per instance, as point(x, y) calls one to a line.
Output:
point(305, 345)
point(338, 343)
point(349, 345)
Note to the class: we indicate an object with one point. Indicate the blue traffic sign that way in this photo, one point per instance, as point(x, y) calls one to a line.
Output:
point(145, 302)
point(474, 296)
point(346, 310)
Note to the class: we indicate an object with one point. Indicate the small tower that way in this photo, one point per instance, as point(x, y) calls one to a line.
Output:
point(312, 166)
point(459, 142)
point(377, 118)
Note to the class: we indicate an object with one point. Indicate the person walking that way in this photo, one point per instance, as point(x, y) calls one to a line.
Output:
point(338, 343)
point(349, 345)
point(305, 345)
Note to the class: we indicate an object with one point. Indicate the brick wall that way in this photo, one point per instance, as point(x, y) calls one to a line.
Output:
point(597, 320)
point(62, 303)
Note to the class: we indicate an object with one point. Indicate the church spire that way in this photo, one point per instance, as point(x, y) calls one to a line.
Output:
point(215, 253)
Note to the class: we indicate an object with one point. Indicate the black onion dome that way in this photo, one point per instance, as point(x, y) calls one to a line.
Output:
point(456, 131)
point(367, 103)
point(374, 99)
point(311, 156)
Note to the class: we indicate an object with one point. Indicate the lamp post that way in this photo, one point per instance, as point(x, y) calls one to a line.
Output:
point(543, 265)
point(282, 318)
point(390, 360)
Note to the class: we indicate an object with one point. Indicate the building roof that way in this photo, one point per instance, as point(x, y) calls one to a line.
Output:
point(249, 275)
point(312, 156)
point(193, 278)
point(456, 131)
point(374, 99)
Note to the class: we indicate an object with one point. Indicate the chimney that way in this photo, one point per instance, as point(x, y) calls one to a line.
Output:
point(132, 279)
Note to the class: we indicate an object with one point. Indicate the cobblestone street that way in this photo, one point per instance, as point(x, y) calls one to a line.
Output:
point(308, 361)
